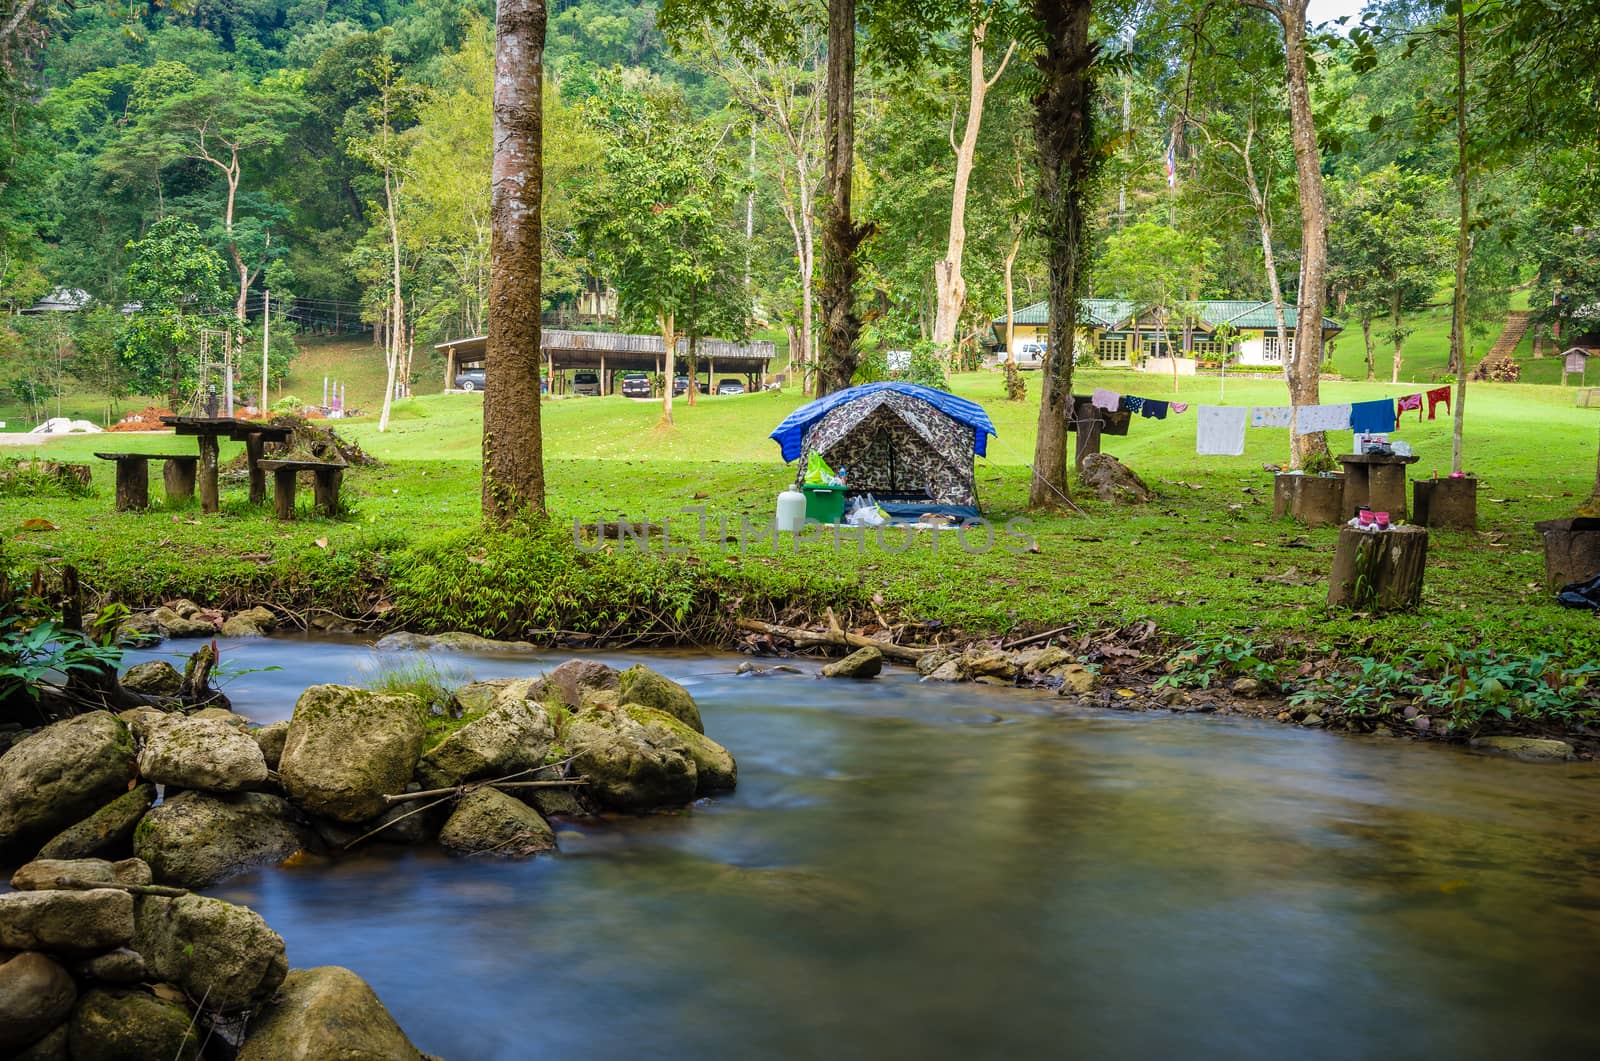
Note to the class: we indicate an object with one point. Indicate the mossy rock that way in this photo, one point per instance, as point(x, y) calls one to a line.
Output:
point(117, 1024)
point(215, 950)
point(327, 1012)
point(155, 678)
point(108, 832)
point(489, 822)
point(195, 839)
point(507, 739)
point(641, 685)
point(715, 769)
point(61, 775)
point(347, 747)
point(630, 767)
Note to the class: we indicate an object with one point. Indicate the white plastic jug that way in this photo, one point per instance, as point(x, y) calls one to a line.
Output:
point(791, 511)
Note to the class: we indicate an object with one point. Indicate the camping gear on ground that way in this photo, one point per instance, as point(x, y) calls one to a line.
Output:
point(824, 504)
point(864, 512)
point(819, 474)
point(901, 443)
point(791, 511)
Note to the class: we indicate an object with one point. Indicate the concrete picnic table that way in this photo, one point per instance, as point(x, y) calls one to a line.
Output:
point(210, 430)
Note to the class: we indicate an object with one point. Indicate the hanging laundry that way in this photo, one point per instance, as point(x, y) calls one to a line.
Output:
point(1437, 395)
point(1179, 407)
point(1270, 415)
point(1372, 418)
point(1309, 419)
point(1409, 402)
point(1153, 409)
point(1219, 430)
point(1110, 401)
point(1130, 404)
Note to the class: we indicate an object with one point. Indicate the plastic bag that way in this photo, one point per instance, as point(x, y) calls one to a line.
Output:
point(819, 474)
point(864, 512)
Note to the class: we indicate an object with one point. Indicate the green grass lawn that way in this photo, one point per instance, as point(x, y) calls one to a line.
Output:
point(1205, 558)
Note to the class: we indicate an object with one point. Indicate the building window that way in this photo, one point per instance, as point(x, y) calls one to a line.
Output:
point(1270, 351)
point(1207, 349)
point(1112, 349)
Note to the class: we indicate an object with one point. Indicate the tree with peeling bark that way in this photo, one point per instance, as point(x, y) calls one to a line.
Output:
point(1303, 366)
point(513, 444)
point(842, 234)
point(1069, 159)
point(982, 17)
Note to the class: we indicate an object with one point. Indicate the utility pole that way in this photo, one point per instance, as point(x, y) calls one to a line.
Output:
point(266, 338)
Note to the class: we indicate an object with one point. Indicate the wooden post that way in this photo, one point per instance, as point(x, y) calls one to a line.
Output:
point(449, 367)
point(178, 477)
point(207, 473)
point(283, 492)
point(326, 497)
point(602, 373)
point(254, 449)
point(1378, 571)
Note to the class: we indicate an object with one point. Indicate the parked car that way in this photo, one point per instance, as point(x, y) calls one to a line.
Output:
point(730, 386)
point(680, 386)
point(471, 380)
point(586, 383)
point(635, 385)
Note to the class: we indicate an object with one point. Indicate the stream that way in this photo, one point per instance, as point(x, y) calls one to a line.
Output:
point(959, 871)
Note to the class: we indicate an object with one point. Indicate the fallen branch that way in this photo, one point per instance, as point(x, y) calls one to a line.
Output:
point(836, 636)
point(78, 884)
point(1036, 638)
point(461, 790)
point(392, 821)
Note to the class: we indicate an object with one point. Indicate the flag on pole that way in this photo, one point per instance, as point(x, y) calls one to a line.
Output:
point(1172, 167)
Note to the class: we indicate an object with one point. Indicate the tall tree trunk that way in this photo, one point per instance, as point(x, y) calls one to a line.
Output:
point(694, 367)
point(949, 285)
point(513, 457)
point(1458, 303)
point(1372, 350)
point(841, 236)
point(1064, 130)
point(669, 341)
point(1305, 364)
point(1394, 322)
point(396, 306)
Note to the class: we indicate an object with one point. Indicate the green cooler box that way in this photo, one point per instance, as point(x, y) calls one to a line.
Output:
point(825, 504)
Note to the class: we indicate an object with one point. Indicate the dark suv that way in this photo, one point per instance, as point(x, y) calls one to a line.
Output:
point(635, 385)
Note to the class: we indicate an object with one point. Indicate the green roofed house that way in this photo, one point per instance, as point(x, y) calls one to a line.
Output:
point(1120, 335)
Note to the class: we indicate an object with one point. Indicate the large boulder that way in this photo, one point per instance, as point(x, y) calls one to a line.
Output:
point(629, 767)
point(507, 739)
point(474, 698)
point(252, 622)
point(195, 839)
point(155, 678)
point(140, 630)
point(570, 684)
point(715, 770)
point(326, 1014)
point(489, 822)
point(36, 994)
point(862, 663)
point(68, 922)
point(204, 753)
point(48, 874)
point(641, 685)
point(61, 775)
point(121, 966)
point(128, 1024)
point(347, 748)
point(52, 1047)
point(214, 950)
point(108, 832)
point(1111, 480)
point(454, 640)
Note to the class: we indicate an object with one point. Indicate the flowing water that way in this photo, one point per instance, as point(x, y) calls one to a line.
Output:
point(956, 871)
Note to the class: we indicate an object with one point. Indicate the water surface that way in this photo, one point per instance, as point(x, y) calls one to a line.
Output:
point(955, 872)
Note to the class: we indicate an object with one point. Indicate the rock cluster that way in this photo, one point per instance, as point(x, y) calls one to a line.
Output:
point(185, 618)
point(580, 739)
point(99, 966)
point(1050, 666)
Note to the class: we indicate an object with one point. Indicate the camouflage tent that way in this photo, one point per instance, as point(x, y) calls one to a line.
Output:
point(896, 441)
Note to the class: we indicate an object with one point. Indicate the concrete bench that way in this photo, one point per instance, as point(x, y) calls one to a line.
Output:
point(328, 476)
point(133, 477)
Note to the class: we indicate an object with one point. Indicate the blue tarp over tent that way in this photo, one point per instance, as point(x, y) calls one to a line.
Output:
point(792, 432)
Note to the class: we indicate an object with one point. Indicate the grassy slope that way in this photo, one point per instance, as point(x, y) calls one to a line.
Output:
point(1206, 556)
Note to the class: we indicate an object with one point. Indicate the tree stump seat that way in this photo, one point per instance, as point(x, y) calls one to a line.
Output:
point(133, 477)
point(327, 477)
point(1378, 571)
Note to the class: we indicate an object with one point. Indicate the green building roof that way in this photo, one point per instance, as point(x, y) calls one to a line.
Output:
point(1112, 313)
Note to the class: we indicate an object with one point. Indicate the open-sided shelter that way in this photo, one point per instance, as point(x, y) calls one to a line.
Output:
point(900, 442)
